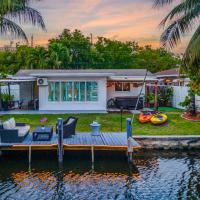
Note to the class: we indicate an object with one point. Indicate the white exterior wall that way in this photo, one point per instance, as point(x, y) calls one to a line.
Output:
point(179, 94)
point(134, 91)
point(99, 105)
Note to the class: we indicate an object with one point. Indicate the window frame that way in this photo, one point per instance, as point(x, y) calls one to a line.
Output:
point(123, 87)
point(54, 91)
point(73, 85)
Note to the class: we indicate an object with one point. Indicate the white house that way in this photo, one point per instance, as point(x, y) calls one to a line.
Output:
point(80, 90)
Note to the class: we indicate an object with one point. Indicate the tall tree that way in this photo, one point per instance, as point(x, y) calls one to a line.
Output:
point(78, 45)
point(39, 58)
point(14, 13)
point(58, 55)
point(155, 59)
point(114, 54)
point(181, 20)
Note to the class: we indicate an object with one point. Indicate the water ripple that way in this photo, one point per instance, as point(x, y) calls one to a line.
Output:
point(157, 177)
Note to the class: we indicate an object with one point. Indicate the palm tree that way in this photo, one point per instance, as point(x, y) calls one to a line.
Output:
point(15, 12)
point(59, 55)
point(181, 20)
point(39, 58)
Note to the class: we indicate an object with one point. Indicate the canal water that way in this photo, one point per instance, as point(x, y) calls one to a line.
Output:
point(154, 176)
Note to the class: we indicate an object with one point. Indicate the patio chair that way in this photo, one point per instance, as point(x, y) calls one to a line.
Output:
point(11, 132)
point(69, 127)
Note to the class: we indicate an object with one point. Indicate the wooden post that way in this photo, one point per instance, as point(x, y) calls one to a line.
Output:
point(129, 127)
point(29, 154)
point(156, 96)
point(129, 140)
point(147, 93)
point(1, 153)
point(0, 98)
point(121, 112)
point(29, 158)
point(60, 140)
point(92, 153)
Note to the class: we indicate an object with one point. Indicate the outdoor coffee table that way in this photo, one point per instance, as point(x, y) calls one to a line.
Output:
point(43, 133)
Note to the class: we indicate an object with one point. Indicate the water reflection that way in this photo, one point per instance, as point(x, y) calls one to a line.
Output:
point(153, 176)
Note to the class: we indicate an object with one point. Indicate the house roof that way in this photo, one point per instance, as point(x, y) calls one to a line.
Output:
point(168, 73)
point(84, 72)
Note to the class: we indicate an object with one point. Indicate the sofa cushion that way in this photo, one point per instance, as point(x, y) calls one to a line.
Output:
point(12, 122)
point(22, 130)
point(70, 121)
point(7, 125)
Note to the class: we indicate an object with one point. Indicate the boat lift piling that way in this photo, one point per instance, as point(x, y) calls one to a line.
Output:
point(92, 156)
point(29, 154)
point(129, 140)
point(60, 140)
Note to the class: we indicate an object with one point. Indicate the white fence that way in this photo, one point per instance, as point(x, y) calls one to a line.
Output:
point(14, 90)
point(179, 94)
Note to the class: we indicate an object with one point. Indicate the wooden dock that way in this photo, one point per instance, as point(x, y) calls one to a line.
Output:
point(81, 141)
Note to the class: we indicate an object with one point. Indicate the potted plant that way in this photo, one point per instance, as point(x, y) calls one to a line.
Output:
point(151, 99)
point(43, 122)
point(6, 99)
point(168, 97)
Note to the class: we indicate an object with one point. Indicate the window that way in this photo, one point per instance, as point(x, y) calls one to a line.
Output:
point(126, 86)
point(92, 91)
point(66, 91)
point(73, 91)
point(79, 91)
point(119, 86)
point(54, 91)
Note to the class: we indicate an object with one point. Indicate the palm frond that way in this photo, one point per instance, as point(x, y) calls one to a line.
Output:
point(172, 34)
point(9, 5)
point(160, 3)
point(9, 27)
point(27, 15)
point(192, 53)
point(189, 6)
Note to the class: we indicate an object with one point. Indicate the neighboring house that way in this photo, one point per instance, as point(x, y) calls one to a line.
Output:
point(172, 77)
point(179, 82)
point(80, 90)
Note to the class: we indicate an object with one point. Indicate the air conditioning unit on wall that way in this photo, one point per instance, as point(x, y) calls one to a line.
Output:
point(42, 82)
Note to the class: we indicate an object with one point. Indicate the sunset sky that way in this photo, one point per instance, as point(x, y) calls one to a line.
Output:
point(118, 19)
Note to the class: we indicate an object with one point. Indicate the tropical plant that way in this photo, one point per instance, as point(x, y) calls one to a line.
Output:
point(181, 20)
point(39, 58)
point(15, 12)
point(6, 97)
point(58, 55)
point(72, 50)
point(150, 97)
point(165, 95)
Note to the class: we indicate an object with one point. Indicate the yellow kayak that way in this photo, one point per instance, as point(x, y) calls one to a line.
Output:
point(159, 119)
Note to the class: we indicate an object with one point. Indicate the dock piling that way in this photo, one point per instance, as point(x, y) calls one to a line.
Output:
point(60, 140)
point(92, 153)
point(29, 154)
point(129, 140)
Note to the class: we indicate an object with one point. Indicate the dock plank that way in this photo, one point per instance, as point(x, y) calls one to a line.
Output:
point(106, 141)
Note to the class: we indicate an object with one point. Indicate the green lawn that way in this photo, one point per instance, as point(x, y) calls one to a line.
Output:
point(111, 122)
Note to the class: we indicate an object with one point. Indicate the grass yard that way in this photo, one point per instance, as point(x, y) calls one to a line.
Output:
point(111, 123)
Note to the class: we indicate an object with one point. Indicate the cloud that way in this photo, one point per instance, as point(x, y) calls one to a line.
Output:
point(119, 19)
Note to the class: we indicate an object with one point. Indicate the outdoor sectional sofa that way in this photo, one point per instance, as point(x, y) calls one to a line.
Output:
point(11, 132)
